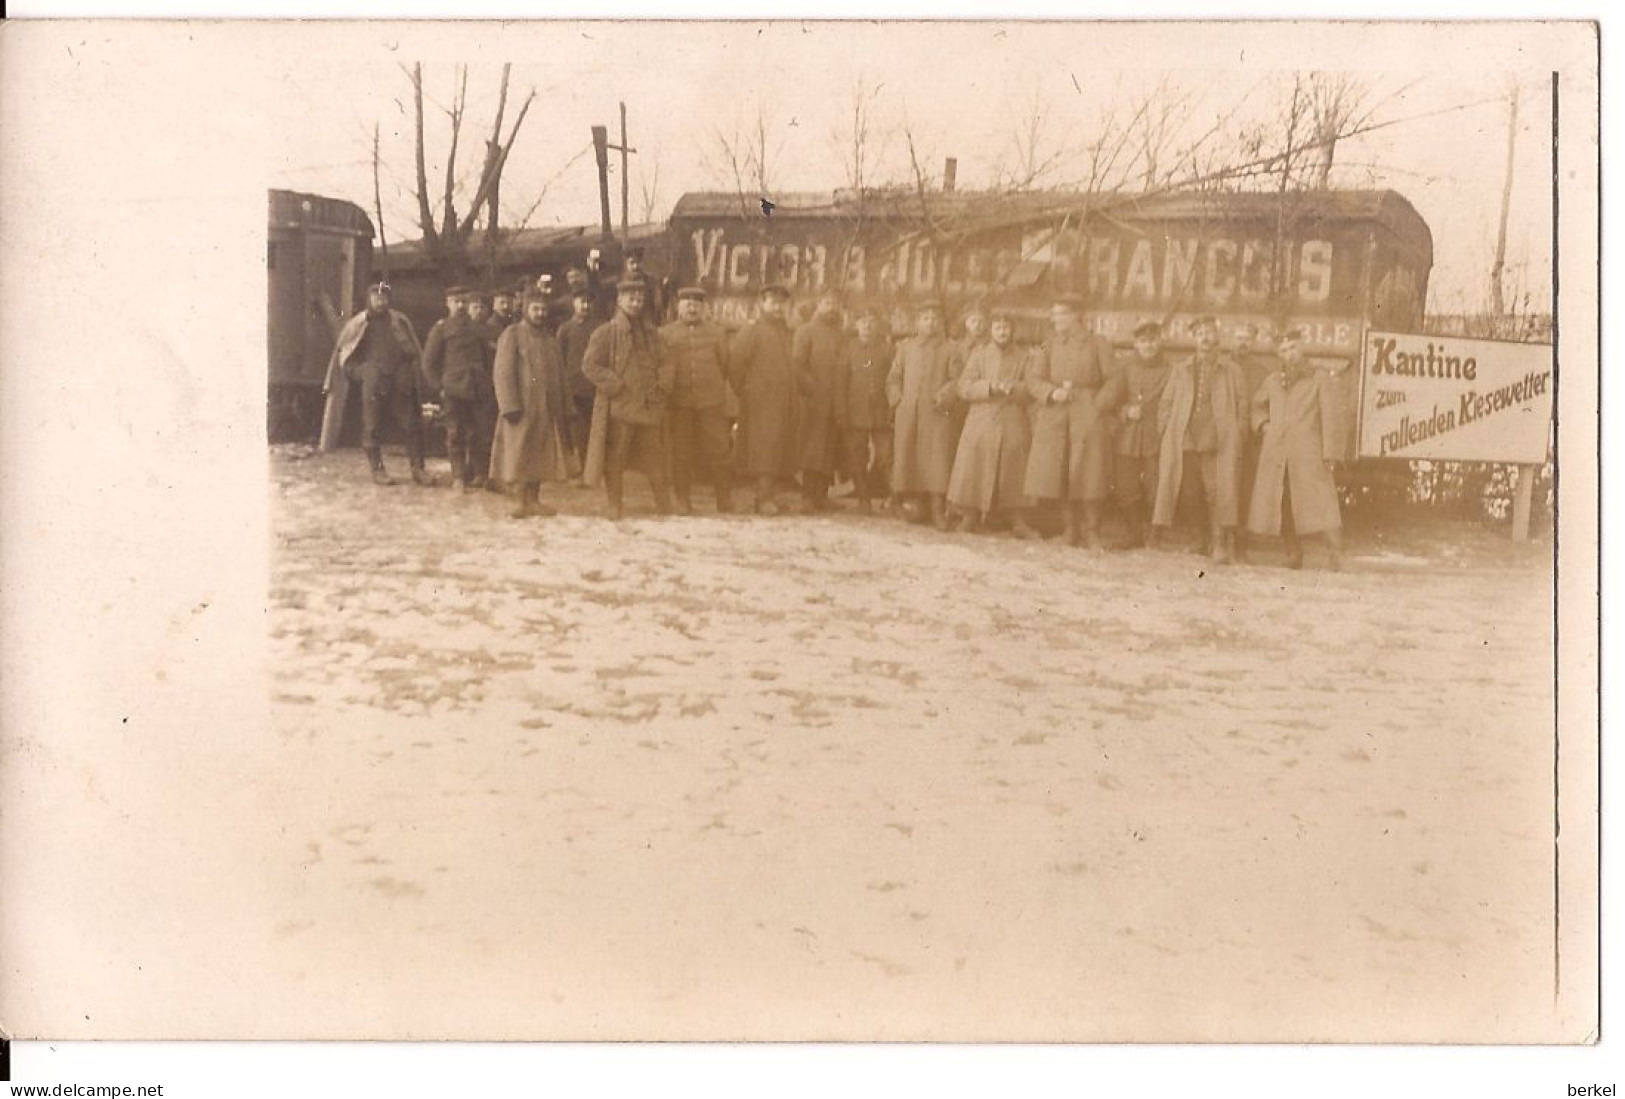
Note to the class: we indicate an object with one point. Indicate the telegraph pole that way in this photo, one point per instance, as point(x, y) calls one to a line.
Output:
point(600, 148)
point(625, 181)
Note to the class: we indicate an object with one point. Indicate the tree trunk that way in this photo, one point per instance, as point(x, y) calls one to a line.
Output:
point(1497, 294)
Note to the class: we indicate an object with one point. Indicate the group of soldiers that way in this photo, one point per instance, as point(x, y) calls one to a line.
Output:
point(974, 432)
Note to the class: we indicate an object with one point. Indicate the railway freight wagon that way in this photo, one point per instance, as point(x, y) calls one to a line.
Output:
point(318, 258)
point(1333, 262)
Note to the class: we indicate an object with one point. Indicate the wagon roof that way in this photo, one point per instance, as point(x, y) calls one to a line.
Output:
point(526, 246)
point(982, 210)
point(298, 210)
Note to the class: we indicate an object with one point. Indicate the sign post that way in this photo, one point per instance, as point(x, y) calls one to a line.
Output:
point(1440, 398)
point(1520, 502)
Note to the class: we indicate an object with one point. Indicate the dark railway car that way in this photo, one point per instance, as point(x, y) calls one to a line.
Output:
point(1328, 260)
point(318, 259)
point(1333, 262)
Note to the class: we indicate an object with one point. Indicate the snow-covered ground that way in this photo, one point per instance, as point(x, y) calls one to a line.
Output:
point(847, 777)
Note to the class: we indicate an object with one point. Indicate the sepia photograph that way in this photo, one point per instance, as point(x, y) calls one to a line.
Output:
point(784, 531)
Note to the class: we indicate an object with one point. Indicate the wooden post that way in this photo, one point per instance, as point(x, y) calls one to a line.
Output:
point(600, 148)
point(626, 183)
point(1522, 497)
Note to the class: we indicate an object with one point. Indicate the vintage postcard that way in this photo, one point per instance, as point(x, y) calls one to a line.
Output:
point(800, 531)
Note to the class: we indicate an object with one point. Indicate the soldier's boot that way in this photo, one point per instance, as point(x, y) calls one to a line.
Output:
point(1334, 549)
point(375, 460)
point(662, 495)
point(1023, 529)
point(537, 508)
point(864, 506)
point(765, 504)
point(815, 491)
point(459, 473)
point(1091, 527)
point(1153, 536)
point(1135, 523)
point(614, 488)
point(973, 522)
point(939, 512)
point(1072, 532)
point(524, 497)
point(1219, 540)
point(1293, 547)
point(421, 476)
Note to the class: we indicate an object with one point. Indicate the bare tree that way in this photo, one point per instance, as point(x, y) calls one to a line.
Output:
point(378, 200)
point(649, 186)
point(1164, 111)
point(741, 158)
point(1497, 293)
point(493, 152)
point(861, 145)
point(1336, 100)
point(1037, 152)
point(448, 242)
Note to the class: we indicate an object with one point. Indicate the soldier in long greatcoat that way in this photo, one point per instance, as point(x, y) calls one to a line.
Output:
point(379, 349)
point(1258, 362)
point(816, 353)
point(1297, 415)
point(530, 446)
point(921, 390)
point(1200, 421)
point(764, 378)
point(1071, 448)
point(991, 461)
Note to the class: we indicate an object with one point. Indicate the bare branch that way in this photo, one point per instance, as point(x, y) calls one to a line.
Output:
point(493, 149)
point(378, 200)
point(649, 186)
point(449, 216)
point(490, 178)
point(425, 215)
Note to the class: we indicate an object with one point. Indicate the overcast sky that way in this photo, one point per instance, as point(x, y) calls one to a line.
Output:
point(962, 90)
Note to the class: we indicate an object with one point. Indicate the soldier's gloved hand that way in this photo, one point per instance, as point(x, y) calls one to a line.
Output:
point(513, 417)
